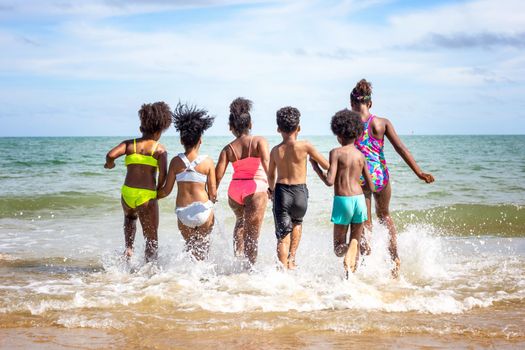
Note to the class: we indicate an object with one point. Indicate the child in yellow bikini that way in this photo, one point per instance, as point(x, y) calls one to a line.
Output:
point(145, 157)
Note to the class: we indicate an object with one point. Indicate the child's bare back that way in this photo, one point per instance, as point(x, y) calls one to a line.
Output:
point(290, 194)
point(290, 159)
point(350, 166)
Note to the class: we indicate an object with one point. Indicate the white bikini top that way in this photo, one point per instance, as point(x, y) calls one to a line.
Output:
point(190, 174)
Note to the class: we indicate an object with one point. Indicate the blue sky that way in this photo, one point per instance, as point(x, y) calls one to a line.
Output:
point(72, 68)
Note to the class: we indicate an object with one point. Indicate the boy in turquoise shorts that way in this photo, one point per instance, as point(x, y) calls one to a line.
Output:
point(347, 165)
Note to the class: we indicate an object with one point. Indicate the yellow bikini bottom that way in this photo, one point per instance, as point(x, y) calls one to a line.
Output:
point(135, 197)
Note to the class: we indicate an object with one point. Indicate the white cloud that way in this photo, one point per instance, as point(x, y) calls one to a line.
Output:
point(303, 52)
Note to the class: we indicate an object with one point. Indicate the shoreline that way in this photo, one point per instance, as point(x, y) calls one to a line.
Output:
point(58, 338)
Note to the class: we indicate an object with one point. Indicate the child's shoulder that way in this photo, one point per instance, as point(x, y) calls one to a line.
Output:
point(304, 143)
point(161, 148)
point(335, 150)
point(277, 146)
point(259, 140)
point(379, 122)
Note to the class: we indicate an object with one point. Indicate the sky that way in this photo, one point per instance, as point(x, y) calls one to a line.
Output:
point(84, 68)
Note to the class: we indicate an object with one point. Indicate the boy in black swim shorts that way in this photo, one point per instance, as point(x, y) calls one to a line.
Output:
point(290, 194)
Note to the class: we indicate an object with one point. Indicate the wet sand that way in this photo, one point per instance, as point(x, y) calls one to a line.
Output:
point(64, 339)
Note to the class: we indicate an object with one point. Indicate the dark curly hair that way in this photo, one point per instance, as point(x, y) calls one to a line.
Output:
point(362, 92)
point(347, 124)
point(154, 117)
point(191, 122)
point(288, 119)
point(240, 120)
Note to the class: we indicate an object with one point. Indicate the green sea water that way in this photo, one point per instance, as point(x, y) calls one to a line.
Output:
point(479, 188)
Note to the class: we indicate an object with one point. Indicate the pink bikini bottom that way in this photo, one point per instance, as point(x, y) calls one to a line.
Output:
point(241, 188)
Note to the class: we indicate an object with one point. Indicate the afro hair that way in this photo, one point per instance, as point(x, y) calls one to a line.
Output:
point(191, 122)
point(154, 117)
point(240, 119)
point(347, 124)
point(288, 119)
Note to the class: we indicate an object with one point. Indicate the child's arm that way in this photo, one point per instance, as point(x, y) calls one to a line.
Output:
point(167, 186)
point(271, 171)
point(163, 165)
point(264, 154)
point(329, 177)
point(221, 166)
point(317, 157)
point(366, 175)
point(114, 153)
point(211, 183)
point(403, 151)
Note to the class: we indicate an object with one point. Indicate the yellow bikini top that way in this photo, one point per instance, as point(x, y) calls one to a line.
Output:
point(136, 158)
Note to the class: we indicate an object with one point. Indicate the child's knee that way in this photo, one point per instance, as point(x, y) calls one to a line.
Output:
point(131, 217)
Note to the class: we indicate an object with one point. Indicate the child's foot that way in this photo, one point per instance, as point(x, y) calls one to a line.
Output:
point(349, 261)
point(364, 247)
point(395, 270)
point(128, 253)
point(291, 264)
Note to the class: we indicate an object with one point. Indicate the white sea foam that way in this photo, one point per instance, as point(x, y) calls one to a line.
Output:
point(434, 279)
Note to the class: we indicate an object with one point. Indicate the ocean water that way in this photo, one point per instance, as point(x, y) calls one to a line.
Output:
point(461, 243)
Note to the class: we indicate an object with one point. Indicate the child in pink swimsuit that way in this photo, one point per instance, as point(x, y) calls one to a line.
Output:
point(248, 176)
point(247, 193)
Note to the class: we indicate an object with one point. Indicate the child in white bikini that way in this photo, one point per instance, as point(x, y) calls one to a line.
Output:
point(195, 176)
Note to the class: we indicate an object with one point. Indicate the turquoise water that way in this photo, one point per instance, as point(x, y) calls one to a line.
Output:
point(461, 243)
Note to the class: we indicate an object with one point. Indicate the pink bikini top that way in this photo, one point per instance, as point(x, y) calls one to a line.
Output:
point(248, 168)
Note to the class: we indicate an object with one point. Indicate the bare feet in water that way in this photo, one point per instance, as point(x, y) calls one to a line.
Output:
point(291, 264)
point(364, 246)
point(395, 270)
point(128, 253)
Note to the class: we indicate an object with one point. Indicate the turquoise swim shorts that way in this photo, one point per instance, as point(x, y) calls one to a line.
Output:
point(349, 210)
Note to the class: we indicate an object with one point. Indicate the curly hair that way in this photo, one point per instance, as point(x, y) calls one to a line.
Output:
point(362, 92)
point(154, 117)
point(191, 122)
point(240, 120)
point(288, 119)
point(347, 124)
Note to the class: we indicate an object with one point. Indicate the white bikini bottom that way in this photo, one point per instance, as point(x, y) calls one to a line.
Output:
point(196, 214)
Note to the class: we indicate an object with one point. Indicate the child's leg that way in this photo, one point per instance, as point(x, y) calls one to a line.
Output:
point(340, 245)
point(238, 230)
point(198, 239)
point(283, 250)
point(130, 228)
point(149, 219)
point(365, 245)
point(383, 213)
point(295, 238)
point(352, 255)
point(368, 199)
point(255, 208)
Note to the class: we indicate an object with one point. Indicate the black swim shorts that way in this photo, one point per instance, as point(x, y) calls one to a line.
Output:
point(289, 207)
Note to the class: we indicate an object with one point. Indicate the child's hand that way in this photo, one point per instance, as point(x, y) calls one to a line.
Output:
point(428, 178)
point(315, 166)
point(110, 165)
